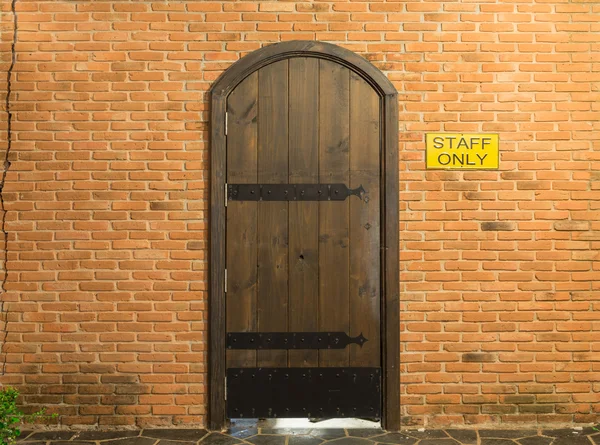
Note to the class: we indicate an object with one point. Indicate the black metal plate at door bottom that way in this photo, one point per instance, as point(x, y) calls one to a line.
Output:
point(292, 340)
point(303, 392)
point(291, 192)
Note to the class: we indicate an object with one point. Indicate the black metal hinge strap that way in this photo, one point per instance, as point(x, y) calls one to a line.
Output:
point(292, 192)
point(292, 340)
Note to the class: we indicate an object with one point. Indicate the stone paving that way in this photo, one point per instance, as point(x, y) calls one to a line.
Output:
point(249, 435)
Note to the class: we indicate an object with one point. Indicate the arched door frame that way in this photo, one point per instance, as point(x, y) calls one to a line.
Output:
point(390, 334)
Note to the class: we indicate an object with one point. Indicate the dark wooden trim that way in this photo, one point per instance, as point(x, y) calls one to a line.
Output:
point(390, 239)
point(217, 264)
point(391, 281)
point(302, 48)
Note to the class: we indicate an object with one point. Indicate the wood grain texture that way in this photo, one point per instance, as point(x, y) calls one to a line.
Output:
point(304, 216)
point(365, 223)
point(391, 274)
point(272, 299)
point(389, 208)
point(302, 48)
point(217, 265)
point(333, 216)
point(242, 168)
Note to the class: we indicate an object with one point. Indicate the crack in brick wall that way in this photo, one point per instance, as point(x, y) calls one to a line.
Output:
point(5, 167)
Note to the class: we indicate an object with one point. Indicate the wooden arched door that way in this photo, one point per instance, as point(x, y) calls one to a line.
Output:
point(301, 183)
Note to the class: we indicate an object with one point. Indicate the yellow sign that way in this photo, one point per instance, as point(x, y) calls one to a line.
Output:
point(463, 151)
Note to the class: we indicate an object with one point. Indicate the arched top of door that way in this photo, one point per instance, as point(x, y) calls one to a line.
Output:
point(302, 48)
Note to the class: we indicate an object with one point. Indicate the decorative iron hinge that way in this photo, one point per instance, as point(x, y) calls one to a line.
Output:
point(292, 340)
point(292, 192)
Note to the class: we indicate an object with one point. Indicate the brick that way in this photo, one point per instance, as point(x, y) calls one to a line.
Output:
point(108, 215)
point(571, 226)
point(479, 357)
point(498, 226)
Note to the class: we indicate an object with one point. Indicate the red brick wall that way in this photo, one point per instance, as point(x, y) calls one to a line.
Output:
point(107, 213)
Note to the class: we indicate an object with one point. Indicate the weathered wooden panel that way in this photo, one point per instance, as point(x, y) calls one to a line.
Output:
point(334, 133)
point(304, 216)
point(272, 260)
point(242, 167)
point(365, 290)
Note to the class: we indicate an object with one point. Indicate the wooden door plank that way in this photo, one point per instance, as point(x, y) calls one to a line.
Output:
point(304, 216)
point(273, 216)
point(242, 217)
point(365, 223)
point(333, 216)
